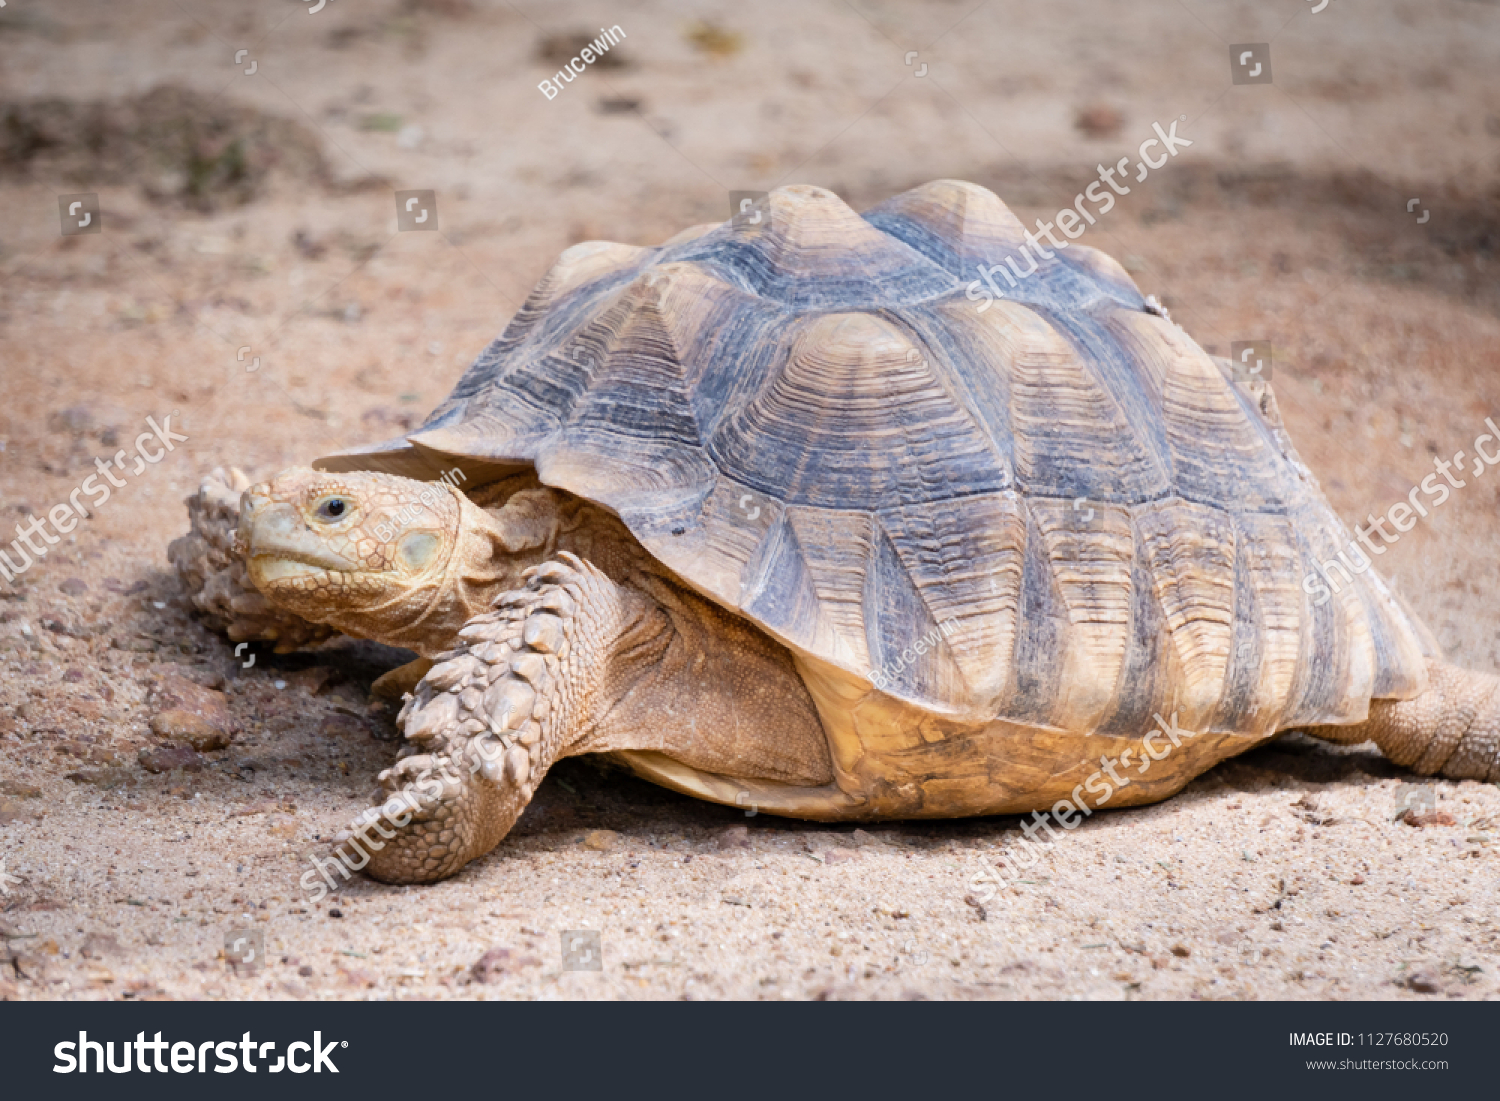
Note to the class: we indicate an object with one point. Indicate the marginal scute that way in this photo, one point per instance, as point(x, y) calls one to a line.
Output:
point(1191, 549)
point(714, 538)
point(1089, 550)
point(1269, 642)
point(1400, 662)
point(837, 546)
point(1337, 688)
point(906, 641)
point(778, 589)
point(967, 565)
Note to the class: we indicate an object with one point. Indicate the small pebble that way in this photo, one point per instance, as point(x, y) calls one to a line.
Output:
point(169, 758)
point(358, 976)
point(491, 965)
point(99, 777)
point(313, 679)
point(734, 837)
point(189, 729)
point(342, 727)
point(98, 945)
point(190, 713)
point(601, 840)
point(1423, 982)
point(1434, 818)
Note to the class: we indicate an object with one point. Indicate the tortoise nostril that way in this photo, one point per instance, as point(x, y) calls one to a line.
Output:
point(251, 504)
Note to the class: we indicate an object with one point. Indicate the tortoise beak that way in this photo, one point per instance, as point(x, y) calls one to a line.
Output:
point(253, 501)
point(277, 540)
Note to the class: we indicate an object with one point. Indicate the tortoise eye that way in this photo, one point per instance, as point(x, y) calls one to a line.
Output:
point(334, 508)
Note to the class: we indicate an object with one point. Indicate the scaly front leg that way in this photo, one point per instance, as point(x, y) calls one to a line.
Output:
point(525, 688)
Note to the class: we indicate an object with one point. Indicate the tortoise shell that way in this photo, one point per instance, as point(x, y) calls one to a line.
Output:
point(1050, 509)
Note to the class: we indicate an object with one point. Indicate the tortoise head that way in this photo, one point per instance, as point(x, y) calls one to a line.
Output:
point(375, 555)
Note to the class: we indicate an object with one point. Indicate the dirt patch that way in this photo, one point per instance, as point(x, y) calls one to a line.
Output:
point(204, 152)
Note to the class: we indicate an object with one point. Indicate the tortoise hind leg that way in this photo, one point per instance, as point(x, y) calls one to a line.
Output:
point(1452, 729)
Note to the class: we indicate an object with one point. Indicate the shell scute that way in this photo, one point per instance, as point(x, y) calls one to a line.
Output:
point(1047, 507)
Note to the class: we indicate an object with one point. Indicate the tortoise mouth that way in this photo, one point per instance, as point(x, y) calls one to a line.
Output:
point(270, 567)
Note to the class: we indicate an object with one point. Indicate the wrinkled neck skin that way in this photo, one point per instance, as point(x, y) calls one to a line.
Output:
point(426, 613)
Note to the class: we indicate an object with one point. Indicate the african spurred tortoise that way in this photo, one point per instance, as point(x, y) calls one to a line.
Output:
point(793, 513)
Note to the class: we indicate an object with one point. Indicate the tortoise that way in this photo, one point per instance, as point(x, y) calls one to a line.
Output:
point(793, 514)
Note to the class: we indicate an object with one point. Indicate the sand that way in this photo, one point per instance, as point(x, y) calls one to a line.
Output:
point(1281, 874)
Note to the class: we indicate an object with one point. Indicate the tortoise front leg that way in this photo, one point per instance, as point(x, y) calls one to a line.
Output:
point(486, 723)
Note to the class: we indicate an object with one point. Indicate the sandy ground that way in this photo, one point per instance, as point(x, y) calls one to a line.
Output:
point(1282, 874)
